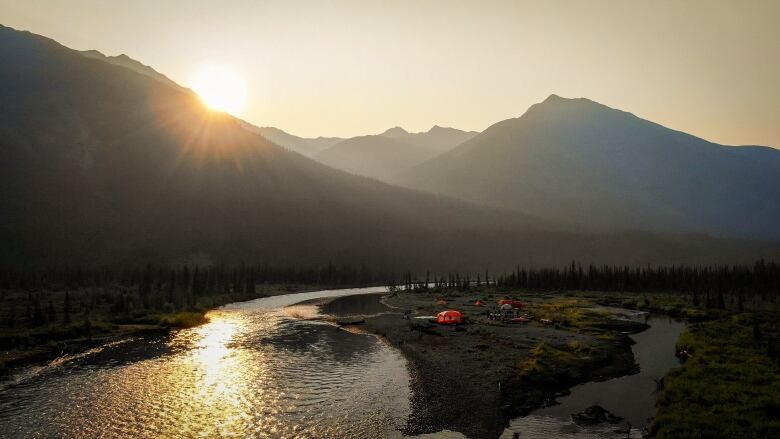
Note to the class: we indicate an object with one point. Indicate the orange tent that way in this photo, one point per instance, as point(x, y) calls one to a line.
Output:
point(449, 317)
point(479, 303)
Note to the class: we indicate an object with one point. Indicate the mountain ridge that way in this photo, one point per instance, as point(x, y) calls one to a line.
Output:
point(583, 162)
point(105, 166)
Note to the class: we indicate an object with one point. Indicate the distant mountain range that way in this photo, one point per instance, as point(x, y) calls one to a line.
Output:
point(437, 139)
point(385, 155)
point(104, 164)
point(306, 146)
point(580, 162)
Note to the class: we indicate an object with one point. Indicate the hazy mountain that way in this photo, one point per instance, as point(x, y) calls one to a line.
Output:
point(578, 161)
point(438, 139)
point(306, 146)
point(383, 156)
point(374, 156)
point(127, 62)
point(105, 165)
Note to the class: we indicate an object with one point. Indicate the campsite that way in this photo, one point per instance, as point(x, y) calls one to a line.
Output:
point(483, 362)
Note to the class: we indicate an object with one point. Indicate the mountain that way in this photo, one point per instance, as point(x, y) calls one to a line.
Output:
point(385, 155)
point(104, 165)
point(580, 162)
point(306, 146)
point(438, 139)
point(127, 62)
point(374, 156)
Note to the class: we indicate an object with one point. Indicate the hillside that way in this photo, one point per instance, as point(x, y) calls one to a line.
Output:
point(580, 162)
point(103, 165)
point(127, 62)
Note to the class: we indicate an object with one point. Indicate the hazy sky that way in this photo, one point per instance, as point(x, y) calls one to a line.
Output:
point(343, 68)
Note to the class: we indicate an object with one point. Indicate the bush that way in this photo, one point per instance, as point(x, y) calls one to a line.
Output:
point(183, 320)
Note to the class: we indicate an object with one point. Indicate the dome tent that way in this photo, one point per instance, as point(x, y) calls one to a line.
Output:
point(449, 317)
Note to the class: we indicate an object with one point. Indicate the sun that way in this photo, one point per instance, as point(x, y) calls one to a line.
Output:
point(220, 88)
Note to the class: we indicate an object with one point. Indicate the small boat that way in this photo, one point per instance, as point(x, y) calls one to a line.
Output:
point(342, 321)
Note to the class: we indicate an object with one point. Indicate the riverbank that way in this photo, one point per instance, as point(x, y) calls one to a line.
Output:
point(95, 321)
point(473, 378)
point(730, 384)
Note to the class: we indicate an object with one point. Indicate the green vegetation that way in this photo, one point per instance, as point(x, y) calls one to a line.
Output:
point(730, 387)
point(549, 363)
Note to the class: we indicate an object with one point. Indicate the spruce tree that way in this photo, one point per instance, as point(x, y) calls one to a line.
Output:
point(66, 309)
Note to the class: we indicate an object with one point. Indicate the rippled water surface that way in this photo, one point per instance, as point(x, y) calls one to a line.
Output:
point(253, 371)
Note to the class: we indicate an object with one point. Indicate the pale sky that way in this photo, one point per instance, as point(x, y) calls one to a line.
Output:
point(345, 68)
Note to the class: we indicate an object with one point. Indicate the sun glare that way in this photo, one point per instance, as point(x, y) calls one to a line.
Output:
point(220, 89)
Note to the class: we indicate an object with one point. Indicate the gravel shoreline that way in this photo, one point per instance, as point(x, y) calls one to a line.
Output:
point(464, 378)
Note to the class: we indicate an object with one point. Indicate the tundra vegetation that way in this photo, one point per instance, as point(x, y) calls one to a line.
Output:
point(728, 384)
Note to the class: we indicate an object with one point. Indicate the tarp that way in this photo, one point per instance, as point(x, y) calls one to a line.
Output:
point(513, 302)
point(449, 317)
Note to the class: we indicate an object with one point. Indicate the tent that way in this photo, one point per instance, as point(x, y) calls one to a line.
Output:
point(513, 302)
point(479, 303)
point(449, 317)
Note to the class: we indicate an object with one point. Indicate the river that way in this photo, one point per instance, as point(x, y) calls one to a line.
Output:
point(255, 370)
point(631, 397)
point(261, 369)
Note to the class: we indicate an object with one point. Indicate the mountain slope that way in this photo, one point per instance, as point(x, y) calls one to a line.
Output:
point(306, 146)
point(578, 161)
point(104, 165)
point(127, 62)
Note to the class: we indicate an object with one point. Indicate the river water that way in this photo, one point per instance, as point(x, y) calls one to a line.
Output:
point(630, 397)
point(255, 370)
point(260, 369)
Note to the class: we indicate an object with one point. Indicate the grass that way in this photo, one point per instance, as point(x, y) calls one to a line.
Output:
point(550, 364)
point(729, 388)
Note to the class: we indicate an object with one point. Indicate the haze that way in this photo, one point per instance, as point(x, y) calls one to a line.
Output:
point(709, 68)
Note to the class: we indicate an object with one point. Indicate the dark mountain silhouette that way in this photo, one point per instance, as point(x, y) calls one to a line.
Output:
point(306, 146)
point(105, 165)
point(383, 156)
point(125, 61)
point(580, 162)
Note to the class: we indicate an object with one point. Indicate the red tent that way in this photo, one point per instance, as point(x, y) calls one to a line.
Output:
point(513, 302)
point(479, 303)
point(449, 317)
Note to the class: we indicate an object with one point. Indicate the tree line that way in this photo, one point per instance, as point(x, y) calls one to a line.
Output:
point(35, 298)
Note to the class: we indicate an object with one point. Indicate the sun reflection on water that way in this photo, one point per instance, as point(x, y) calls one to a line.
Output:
point(249, 372)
